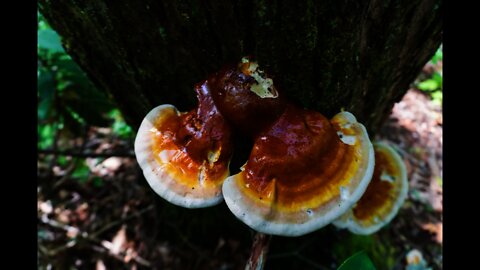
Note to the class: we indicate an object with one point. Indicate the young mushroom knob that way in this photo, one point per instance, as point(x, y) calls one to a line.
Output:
point(246, 97)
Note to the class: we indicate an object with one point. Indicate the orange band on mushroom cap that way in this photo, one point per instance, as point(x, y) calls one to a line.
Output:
point(185, 156)
point(384, 195)
point(303, 173)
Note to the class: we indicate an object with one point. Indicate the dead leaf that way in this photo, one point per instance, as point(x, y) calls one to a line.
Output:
point(82, 211)
point(100, 265)
point(63, 215)
point(45, 207)
point(119, 241)
point(112, 163)
point(72, 232)
point(436, 229)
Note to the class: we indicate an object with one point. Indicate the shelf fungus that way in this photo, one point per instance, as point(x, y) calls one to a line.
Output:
point(304, 172)
point(185, 155)
point(384, 195)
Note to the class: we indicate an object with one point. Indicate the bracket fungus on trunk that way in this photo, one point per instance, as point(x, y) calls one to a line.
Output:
point(384, 196)
point(304, 170)
point(185, 156)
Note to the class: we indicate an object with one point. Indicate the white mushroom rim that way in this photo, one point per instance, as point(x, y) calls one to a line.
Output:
point(348, 221)
point(157, 175)
point(266, 220)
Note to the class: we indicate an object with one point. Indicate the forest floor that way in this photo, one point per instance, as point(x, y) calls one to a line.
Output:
point(108, 217)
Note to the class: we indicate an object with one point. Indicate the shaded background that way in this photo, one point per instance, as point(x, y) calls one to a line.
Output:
point(95, 210)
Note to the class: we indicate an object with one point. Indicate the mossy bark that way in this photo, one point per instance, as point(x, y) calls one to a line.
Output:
point(327, 55)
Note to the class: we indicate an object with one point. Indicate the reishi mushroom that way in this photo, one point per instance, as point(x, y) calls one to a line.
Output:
point(246, 97)
point(185, 156)
point(384, 195)
point(304, 172)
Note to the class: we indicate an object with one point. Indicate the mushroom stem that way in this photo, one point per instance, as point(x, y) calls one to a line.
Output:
point(258, 253)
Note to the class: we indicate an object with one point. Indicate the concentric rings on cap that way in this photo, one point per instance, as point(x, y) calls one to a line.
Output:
point(314, 171)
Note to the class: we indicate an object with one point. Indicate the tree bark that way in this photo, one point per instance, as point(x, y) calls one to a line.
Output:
point(327, 55)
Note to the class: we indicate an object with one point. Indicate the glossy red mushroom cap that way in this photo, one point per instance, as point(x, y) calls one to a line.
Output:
point(185, 156)
point(246, 97)
point(303, 172)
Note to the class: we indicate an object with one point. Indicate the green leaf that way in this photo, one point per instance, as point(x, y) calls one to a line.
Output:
point(429, 85)
point(437, 76)
point(72, 124)
point(62, 161)
point(42, 24)
point(415, 194)
point(438, 56)
point(359, 261)
point(439, 181)
point(45, 135)
point(88, 102)
point(45, 84)
point(49, 40)
point(81, 171)
point(382, 253)
point(120, 127)
point(97, 181)
point(437, 97)
point(81, 96)
point(67, 68)
point(46, 91)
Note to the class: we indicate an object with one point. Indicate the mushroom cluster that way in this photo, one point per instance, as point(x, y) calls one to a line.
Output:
point(305, 171)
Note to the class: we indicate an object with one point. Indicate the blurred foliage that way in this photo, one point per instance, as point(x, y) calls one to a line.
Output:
point(67, 100)
point(69, 104)
point(82, 171)
point(382, 254)
point(358, 261)
point(49, 40)
point(438, 55)
point(433, 83)
point(119, 126)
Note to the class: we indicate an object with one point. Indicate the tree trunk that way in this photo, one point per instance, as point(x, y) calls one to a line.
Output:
point(357, 55)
